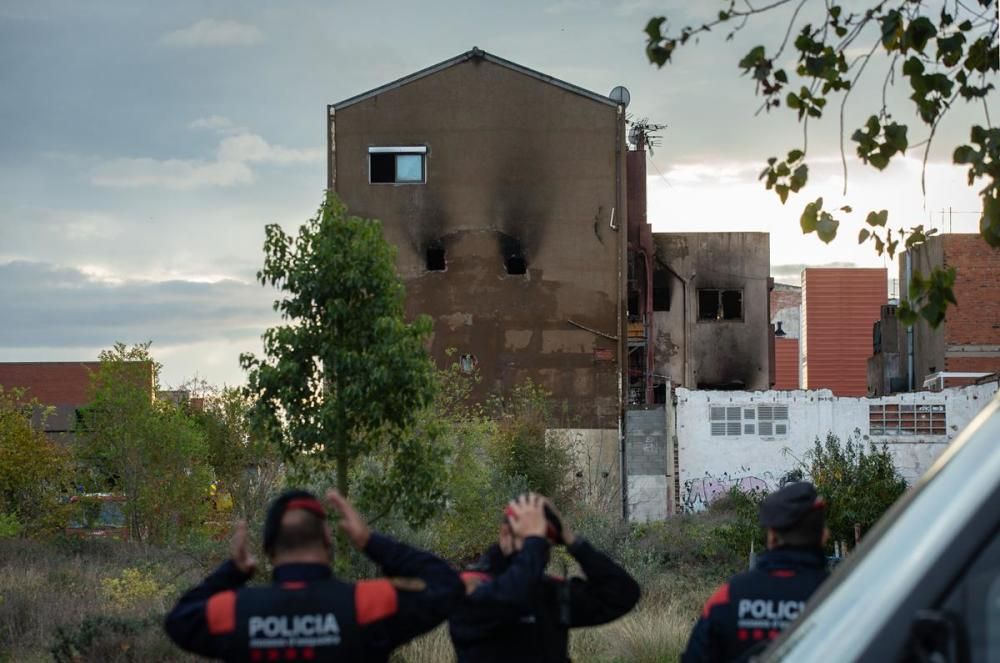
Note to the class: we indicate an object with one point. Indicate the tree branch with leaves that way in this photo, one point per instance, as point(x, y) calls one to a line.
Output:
point(944, 56)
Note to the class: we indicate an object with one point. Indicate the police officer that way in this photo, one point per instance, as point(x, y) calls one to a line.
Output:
point(306, 614)
point(750, 610)
point(514, 612)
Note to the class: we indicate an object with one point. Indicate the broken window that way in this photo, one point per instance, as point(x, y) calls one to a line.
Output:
point(720, 304)
point(435, 259)
point(661, 290)
point(513, 255)
point(396, 165)
point(468, 363)
point(899, 419)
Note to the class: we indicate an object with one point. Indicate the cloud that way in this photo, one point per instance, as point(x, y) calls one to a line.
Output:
point(229, 167)
point(50, 306)
point(210, 32)
point(174, 174)
point(213, 122)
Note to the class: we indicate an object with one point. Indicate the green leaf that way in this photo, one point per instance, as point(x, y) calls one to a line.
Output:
point(877, 218)
point(920, 31)
point(810, 216)
point(795, 155)
point(846, 208)
point(863, 236)
point(826, 227)
point(751, 59)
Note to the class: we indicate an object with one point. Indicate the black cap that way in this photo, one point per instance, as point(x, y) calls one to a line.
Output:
point(784, 508)
point(291, 499)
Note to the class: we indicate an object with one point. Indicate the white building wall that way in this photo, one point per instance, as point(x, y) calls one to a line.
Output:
point(709, 465)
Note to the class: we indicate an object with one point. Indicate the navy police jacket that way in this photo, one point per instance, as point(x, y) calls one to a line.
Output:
point(309, 615)
point(516, 613)
point(750, 610)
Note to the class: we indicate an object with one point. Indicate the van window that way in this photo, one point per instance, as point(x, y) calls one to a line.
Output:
point(976, 597)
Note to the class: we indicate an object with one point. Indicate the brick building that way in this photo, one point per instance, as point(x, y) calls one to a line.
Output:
point(61, 386)
point(967, 343)
point(786, 317)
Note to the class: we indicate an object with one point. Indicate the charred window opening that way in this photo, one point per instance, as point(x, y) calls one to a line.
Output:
point(435, 259)
point(396, 165)
point(633, 302)
point(661, 290)
point(513, 256)
point(720, 305)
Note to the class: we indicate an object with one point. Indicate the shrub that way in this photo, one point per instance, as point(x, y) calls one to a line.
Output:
point(34, 471)
point(9, 526)
point(858, 485)
point(134, 587)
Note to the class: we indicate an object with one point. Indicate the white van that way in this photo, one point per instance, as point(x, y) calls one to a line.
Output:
point(924, 585)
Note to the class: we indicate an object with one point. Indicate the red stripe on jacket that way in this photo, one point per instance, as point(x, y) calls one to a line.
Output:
point(220, 613)
point(374, 600)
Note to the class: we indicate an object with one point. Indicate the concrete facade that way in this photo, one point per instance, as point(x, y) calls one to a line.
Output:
point(917, 427)
point(693, 351)
point(515, 164)
point(648, 463)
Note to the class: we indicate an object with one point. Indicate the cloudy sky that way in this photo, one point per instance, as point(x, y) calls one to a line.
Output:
point(144, 146)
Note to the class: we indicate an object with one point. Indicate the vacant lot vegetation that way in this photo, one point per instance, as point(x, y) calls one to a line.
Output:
point(92, 600)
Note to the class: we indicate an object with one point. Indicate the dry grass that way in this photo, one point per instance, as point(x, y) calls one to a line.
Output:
point(45, 587)
point(656, 631)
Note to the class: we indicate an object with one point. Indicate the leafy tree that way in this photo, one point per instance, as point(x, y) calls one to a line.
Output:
point(247, 465)
point(944, 50)
point(521, 446)
point(34, 471)
point(345, 377)
point(860, 485)
point(149, 450)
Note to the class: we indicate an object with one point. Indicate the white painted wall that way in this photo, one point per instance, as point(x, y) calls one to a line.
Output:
point(709, 465)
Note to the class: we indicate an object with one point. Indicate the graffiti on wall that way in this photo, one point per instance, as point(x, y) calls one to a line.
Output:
point(700, 492)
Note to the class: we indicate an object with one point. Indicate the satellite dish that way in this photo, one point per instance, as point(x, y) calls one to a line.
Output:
point(620, 95)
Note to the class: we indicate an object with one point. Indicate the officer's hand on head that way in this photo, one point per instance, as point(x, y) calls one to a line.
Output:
point(568, 537)
point(238, 552)
point(527, 516)
point(350, 520)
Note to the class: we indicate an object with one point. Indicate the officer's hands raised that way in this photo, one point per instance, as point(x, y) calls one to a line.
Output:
point(527, 516)
point(238, 552)
point(350, 520)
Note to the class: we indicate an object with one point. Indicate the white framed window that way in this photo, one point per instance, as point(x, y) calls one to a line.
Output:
point(397, 164)
point(760, 420)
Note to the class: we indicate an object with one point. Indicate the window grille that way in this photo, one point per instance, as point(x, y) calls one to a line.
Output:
point(903, 419)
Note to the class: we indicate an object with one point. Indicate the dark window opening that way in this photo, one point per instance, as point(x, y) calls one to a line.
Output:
point(720, 304)
point(516, 265)
point(708, 304)
point(633, 302)
point(661, 290)
point(435, 259)
point(732, 304)
point(383, 168)
point(659, 393)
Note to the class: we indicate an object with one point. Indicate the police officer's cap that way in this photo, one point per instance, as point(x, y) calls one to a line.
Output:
point(288, 501)
point(784, 508)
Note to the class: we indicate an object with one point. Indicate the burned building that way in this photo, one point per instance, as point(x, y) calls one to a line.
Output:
point(711, 310)
point(965, 347)
point(503, 191)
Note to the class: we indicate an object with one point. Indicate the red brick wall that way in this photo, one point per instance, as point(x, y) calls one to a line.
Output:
point(784, 296)
point(976, 319)
point(52, 383)
point(786, 363)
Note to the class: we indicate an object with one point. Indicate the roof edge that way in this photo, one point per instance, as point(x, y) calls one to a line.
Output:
point(469, 55)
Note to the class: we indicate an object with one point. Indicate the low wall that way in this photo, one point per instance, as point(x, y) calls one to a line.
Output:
point(751, 440)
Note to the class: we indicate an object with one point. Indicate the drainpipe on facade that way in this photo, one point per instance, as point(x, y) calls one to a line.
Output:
point(910, 381)
point(622, 331)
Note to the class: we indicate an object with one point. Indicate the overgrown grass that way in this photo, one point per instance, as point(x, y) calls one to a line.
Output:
point(104, 600)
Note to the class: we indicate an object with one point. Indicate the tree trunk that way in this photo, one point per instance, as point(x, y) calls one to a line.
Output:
point(343, 546)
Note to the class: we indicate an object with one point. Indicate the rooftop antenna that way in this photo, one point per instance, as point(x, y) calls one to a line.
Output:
point(644, 134)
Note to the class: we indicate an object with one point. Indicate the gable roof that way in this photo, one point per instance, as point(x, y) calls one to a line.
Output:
point(475, 53)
